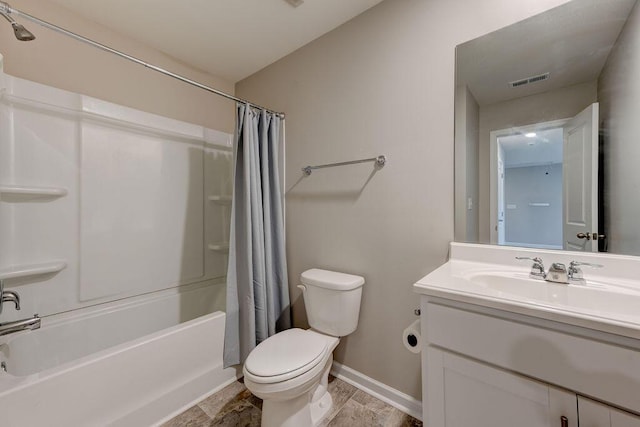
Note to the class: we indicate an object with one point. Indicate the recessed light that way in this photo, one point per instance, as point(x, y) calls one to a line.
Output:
point(530, 135)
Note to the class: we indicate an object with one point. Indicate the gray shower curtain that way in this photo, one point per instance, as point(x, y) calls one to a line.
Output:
point(257, 285)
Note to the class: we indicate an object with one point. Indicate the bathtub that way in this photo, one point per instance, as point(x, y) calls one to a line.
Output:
point(133, 363)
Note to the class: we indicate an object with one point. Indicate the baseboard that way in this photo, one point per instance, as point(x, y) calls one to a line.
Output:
point(393, 397)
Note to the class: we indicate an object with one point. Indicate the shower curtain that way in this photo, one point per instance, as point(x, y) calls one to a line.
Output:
point(257, 285)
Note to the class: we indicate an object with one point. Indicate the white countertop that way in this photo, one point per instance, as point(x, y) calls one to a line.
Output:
point(490, 276)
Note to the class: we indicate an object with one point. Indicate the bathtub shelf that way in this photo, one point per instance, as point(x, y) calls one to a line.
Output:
point(221, 200)
point(219, 247)
point(31, 192)
point(32, 270)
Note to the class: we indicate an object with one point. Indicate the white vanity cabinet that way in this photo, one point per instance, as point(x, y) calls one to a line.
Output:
point(484, 367)
point(470, 393)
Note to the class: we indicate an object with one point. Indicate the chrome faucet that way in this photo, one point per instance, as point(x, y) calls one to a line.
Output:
point(575, 273)
point(19, 325)
point(557, 273)
point(537, 268)
point(8, 296)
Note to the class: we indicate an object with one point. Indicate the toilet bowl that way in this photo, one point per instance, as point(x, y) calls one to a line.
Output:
point(289, 371)
point(294, 387)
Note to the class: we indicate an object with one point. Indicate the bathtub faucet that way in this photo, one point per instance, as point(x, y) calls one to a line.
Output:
point(20, 325)
point(8, 296)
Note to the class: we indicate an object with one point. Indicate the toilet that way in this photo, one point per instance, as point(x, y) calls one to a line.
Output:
point(289, 371)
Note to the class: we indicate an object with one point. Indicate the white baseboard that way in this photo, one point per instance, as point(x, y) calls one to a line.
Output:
point(393, 397)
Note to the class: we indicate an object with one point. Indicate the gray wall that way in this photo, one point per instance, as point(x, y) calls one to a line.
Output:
point(466, 171)
point(62, 62)
point(554, 105)
point(526, 224)
point(382, 83)
point(619, 96)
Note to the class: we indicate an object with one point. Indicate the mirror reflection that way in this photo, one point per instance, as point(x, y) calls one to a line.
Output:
point(546, 120)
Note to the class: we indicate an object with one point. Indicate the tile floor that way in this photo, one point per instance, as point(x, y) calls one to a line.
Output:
point(235, 406)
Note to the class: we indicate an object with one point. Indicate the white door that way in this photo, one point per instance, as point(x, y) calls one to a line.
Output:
point(467, 393)
point(501, 218)
point(580, 177)
point(594, 414)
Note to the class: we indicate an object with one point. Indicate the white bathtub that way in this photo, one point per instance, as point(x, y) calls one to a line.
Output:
point(135, 363)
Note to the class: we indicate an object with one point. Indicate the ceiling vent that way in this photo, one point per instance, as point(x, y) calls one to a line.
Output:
point(532, 79)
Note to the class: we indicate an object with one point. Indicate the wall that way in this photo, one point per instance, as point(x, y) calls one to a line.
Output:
point(62, 62)
point(133, 217)
point(554, 105)
point(382, 83)
point(466, 171)
point(619, 96)
point(526, 224)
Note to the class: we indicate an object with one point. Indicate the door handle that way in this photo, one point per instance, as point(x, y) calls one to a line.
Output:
point(564, 421)
point(589, 236)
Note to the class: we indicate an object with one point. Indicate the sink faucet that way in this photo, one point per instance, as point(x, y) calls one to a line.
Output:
point(557, 273)
point(537, 268)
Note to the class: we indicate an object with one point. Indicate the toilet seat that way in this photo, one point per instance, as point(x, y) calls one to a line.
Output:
point(286, 355)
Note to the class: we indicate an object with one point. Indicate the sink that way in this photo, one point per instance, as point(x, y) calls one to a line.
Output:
point(597, 297)
point(489, 276)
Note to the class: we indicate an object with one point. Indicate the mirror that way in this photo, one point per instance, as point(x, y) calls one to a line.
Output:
point(547, 114)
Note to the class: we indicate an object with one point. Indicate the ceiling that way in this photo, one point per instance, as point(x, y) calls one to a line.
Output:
point(227, 38)
point(571, 43)
point(543, 148)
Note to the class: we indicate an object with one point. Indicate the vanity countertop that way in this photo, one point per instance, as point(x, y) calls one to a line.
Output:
point(489, 276)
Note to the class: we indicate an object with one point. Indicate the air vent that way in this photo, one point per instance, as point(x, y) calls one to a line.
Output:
point(532, 79)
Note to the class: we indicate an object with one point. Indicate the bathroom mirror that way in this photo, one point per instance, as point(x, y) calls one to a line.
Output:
point(547, 117)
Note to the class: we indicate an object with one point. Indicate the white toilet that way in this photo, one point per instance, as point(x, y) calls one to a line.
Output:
point(290, 370)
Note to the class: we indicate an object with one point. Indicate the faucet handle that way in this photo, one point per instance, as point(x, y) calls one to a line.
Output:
point(574, 264)
point(536, 260)
point(575, 273)
point(537, 269)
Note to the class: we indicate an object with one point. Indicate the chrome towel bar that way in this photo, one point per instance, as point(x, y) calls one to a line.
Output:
point(380, 161)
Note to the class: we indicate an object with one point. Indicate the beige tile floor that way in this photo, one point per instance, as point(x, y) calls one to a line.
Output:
point(235, 406)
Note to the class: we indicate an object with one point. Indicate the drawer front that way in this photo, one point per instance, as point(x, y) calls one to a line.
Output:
point(602, 370)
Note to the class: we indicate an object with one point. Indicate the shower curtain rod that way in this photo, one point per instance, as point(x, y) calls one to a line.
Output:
point(5, 8)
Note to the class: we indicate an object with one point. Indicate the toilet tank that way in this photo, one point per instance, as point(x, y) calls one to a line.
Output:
point(332, 300)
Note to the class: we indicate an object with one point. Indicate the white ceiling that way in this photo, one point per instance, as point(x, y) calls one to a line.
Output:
point(228, 38)
point(543, 149)
point(571, 42)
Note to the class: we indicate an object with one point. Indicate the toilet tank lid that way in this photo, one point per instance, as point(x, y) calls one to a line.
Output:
point(331, 279)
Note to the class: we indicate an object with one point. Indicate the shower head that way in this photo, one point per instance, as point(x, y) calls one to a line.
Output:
point(22, 33)
point(19, 30)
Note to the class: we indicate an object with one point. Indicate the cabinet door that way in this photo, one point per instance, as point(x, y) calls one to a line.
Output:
point(595, 414)
point(469, 393)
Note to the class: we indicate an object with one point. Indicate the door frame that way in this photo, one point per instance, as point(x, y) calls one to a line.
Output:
point(493, 165)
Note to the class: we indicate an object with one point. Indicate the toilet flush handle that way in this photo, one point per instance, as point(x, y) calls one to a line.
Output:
point(303, 288)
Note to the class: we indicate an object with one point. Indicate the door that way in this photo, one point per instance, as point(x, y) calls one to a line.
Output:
point(501, 218)
point(594, 414)
point(464, 393)
point(580, 181)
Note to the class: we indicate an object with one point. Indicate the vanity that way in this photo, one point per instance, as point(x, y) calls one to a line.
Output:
point(503, 349)
point(546, 124)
